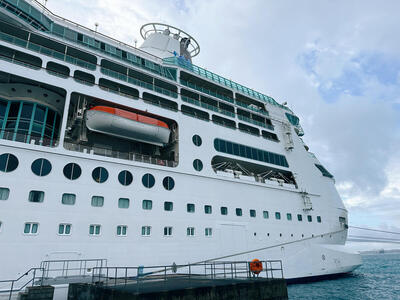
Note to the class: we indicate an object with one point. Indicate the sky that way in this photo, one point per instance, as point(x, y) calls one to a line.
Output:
point(336, 63)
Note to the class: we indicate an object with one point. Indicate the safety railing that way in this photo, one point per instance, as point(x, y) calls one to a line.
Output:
point(74, 267)
point(27, 138)
point(206, 91)
point(46, 51)
point(249, 107)
point(115, 276)
point(120, 155)
point(208, 106)
point(247, 119)
point(33, 276)
point(124, 77)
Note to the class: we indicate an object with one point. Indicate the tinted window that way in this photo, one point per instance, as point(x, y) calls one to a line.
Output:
point(252, 213)
point(196, 140)
point(207, 209)
point(239, 212)
point(36, 196)
point(190, 207)
point(299, 217)
point(309, 218)
point(278, 215)
point(123, 203)
point(4, 193)
point(68, 199)
point(72, 171)
point(100, 174)
point(168, 206)
point(289, 217)
point(147, 204)
point(8, 162)
point(125, 177)
point(319, 219)
point(197, 165)
point(148, 180)
point(97, 201)
point(224, 210)
point(168, 183)
point(41, 167)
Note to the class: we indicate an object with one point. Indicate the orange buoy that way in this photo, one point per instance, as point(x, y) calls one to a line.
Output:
point(256, 266)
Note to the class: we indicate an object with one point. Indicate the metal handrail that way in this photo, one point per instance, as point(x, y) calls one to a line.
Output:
point(113, 276)
point(118, 154)
point(13, 282)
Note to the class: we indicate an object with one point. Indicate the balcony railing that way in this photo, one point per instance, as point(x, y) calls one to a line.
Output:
point(208, 106)
point(180, 62)
point(28, 139)
point(260, 111)
point(206, 91)
point(138, 82)
point(46, 51)
point(120, 155)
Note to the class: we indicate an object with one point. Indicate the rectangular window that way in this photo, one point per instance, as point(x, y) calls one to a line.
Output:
point(252, 213)
point(224, 210)
point(121, 230)
point(239, 212)
point(265, 214)
point(68, 199)
point(31, 228)
point(146, 230)
point(36, 196)
point(4, 193)
point(190, 208)
point(190, 231)
point(167, 231)
point(299, 217)
point(207, 209)
point(289, 217)
point(94, 229)
point(309, 218)
point(208, 231)
point(168, 206)
point(278, 215)
point(97, 201)
point(123, 203)
point(147, 204)
point(64, 229)
point(319, 219)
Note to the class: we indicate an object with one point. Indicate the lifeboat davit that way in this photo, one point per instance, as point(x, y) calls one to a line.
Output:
point(127, 125)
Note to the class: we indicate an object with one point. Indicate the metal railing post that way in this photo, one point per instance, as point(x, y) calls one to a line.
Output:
point(126, 274)
point(34, 275)
point(266, 269)
point(115, 277)
point(11, 290)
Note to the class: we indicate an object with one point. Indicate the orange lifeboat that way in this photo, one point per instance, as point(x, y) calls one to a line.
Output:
point(127, 125)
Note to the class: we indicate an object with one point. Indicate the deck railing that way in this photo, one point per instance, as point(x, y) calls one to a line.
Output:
point(119, 154)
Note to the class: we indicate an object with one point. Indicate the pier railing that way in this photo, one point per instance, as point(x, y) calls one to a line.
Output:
point(31, 277)
point(113, 276)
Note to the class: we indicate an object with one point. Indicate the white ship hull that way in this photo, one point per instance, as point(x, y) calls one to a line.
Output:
point(313, 245)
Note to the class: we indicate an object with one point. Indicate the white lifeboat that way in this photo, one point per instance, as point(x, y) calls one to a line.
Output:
point(127, 125)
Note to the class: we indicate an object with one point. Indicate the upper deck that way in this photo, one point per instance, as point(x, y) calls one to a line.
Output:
point(35, 16)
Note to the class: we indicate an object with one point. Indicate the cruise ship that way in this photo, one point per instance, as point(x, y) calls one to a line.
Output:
point(137, 156)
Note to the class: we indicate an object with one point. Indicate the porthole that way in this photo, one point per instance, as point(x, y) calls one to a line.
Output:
point(100, 174)
point(148, 180)
point(197, 165)
point(125, 177)
point(168, 183)
point(72, 171)
point(8, 162)
point(196, 140)
point(41, 167)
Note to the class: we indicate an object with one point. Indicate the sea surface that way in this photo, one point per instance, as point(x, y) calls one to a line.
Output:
point(378, 278)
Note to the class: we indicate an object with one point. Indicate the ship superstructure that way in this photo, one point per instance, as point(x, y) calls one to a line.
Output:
point(140, 157)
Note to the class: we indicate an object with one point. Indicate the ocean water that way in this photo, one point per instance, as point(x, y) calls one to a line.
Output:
point(378, 278)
